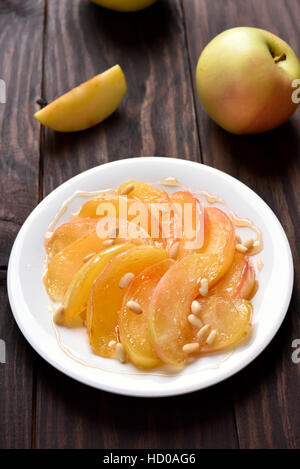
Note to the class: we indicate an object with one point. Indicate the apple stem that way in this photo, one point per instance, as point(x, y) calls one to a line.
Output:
point(280, 58)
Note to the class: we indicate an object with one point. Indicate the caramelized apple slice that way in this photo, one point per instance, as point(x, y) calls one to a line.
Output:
point(172, 298)
point(134, 331)
point(230, 318)
point(79, 290)
point(191, 219)
point(159, 203)
point(68, 233)
point(130, 209)
point(239, 281)
point(144, 192)
point(64, 265)
point(107, 296)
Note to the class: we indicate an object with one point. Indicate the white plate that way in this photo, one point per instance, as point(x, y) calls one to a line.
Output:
point(29, 301)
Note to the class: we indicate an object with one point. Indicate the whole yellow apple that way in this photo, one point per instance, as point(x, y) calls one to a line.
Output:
point(125, 5)
point(245, 78)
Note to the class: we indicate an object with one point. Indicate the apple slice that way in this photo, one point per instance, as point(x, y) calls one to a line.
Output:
point(130, 209)
point(134, 331)
point(106, 297)
point(191, 219)
point(172, 298)
point(160, 204)
point(230, 318)
point(87, 104)
point(239, 281)
point(63, 266)
point(68, 233)
point(79, 290)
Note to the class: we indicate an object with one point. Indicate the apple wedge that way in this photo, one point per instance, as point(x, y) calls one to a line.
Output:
point(107, 296)
point(163, 212)
point(68, 233)
point(87, 104)
point(191, 216)
point(134, 329)
point(239, 281)
point(78, 293)
point(62, 268)
point(172, 298)
point(230, 318)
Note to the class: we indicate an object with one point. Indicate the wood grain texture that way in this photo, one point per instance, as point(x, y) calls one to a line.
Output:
point(157, 117)
point(15, 380)
point(266, 401)
point(21, 39)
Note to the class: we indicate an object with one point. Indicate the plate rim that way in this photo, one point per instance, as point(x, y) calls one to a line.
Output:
point(74, 374)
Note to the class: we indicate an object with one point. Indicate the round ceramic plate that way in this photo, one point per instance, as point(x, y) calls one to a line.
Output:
point(68, 350)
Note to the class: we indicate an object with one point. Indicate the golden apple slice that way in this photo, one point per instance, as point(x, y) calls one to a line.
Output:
point(68, 233)
point(87, 104)
point(107, 296)
point(162, 210)
point(77, 295)
point(134, 330)
point(172, 298)
point(239, 281)
point(230, 318)
point(191, 218)
point(125, 5)
point(63, 266)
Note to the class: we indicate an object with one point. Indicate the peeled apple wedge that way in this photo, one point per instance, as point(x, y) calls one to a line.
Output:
point(68, 233)
point(191, 216)
point(125, 5)
point(239, 281)
point(86, 105)
point(63, 266)
point(134, 329)
point(107, 296)
point(172, 298)
point(231, 318)
point(158, 202)
point(77, 295)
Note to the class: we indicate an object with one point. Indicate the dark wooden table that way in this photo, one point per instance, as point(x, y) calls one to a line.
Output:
point(47, 47)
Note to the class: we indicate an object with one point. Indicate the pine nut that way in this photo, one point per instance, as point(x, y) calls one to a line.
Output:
point(127, 189)
point(241, 248)
point(108, 242)
point(120, 353)
point(211, 337)
point(238, 239)
point(249, 243)
point(195, 321)
point(190, 348)
point(134, 307)
point(173, 251)
point(125, 280)
point(203, 290)
point(195, 307)
point(88, 257)
point(57, 316)
point(203, 333)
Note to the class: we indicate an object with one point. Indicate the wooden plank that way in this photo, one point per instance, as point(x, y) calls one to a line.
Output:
point(15, 379)
point(21, 40)
point(157, 117)
point(21, 50)
point(266, 392)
